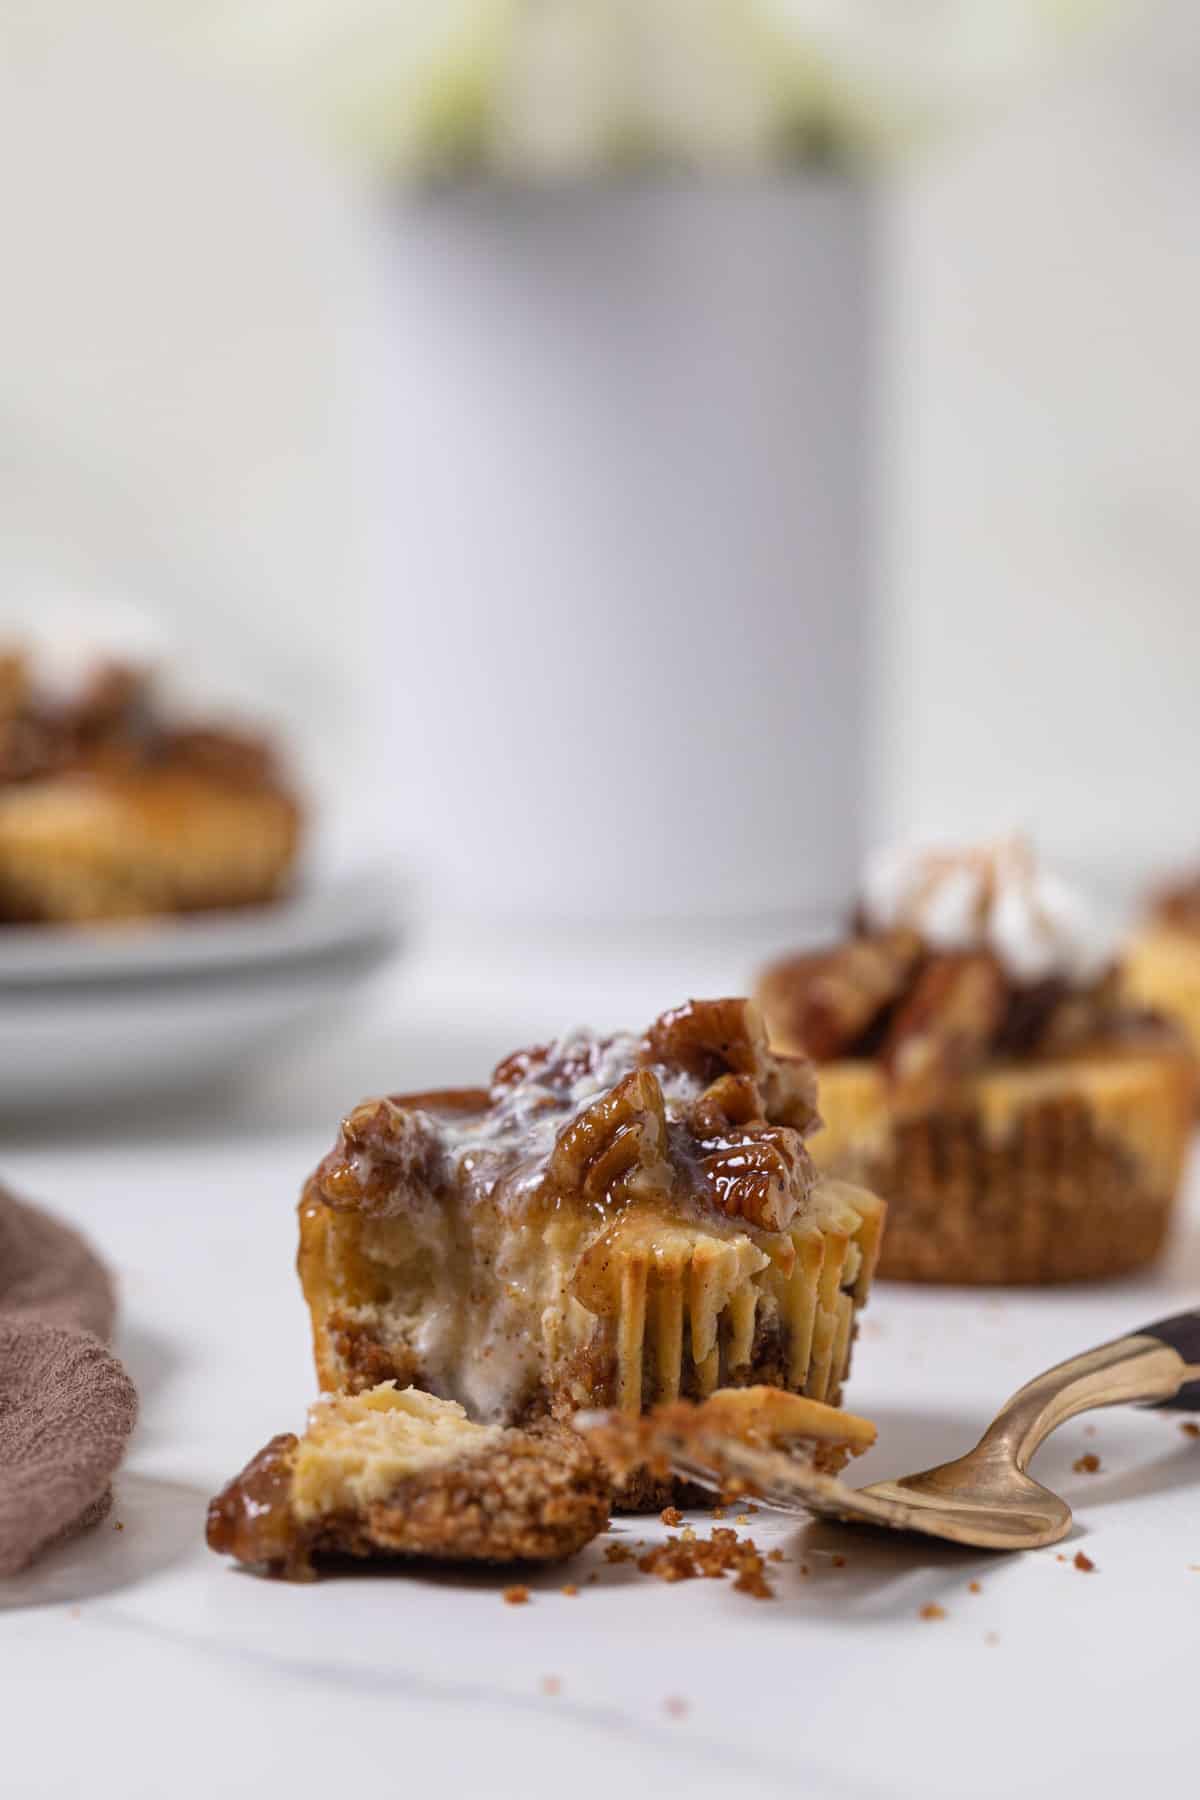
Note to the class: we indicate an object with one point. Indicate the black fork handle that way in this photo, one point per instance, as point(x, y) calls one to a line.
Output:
point(1181, 1333)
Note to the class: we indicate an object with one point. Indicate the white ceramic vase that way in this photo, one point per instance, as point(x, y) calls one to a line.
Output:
point(626, 468)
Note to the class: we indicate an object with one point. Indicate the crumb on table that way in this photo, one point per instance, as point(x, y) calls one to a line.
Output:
point(671, 1515)
point(551, 1684)
point(974, 1587)
point(569, 1589)
point(1087, 1464)
point(1084, 1562)
point(1190, 1428)
point(516, 1596)
point(931, 1610)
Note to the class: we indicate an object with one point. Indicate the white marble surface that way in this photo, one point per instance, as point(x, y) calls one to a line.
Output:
point(134, 1663)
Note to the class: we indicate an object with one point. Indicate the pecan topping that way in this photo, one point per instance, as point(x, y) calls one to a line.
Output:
point(945, 1026)
point(385, 1153)
point(710, 1039)
point(615, 1147)
point(761, 1173)
point(831, 998)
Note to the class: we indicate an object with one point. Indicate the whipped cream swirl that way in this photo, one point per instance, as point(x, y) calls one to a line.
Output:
point(989, 897)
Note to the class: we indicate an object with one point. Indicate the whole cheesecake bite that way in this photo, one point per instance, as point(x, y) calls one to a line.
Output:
point(982, 1067)
point(397, 1473)
point(614, 1221)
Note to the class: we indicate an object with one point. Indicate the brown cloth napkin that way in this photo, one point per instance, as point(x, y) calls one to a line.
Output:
point(67, 1406)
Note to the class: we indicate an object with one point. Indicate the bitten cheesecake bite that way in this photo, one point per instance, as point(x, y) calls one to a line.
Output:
point(980, 1067)
point(613, 1222)
point(397, 1473)
point(111, 810)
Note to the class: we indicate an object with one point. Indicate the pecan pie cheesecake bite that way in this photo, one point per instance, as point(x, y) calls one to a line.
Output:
point(395, 1473)
point(981, 1069)
point(706, 1435)
point(613, 1222)
point(111, 810)
point(1162, 961)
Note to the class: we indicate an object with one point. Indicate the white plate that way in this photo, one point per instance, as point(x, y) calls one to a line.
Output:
point(321, 919)
point(95, 1018)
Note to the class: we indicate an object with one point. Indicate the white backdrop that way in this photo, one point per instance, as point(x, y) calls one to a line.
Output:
point(187, 339)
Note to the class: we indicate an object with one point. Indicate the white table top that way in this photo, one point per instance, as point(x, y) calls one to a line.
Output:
point(133, 1662)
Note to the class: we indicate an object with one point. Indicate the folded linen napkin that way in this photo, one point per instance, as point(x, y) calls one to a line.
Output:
point(67, 1406)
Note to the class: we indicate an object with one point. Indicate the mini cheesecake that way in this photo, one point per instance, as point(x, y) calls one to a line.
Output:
point(108, 810)
point(394, 1473)
point(981, 1069)
point(614, 1221)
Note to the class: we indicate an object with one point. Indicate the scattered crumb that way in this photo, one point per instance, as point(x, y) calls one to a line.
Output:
point(674, 1705)
point(570, 1590)
point(804, 1568)
point(1084, 1562)
point(1061, 1557)
point(516, 1596)
point(671, 1515)
point(839, 1562)
point(718, 1512)
point(1190, 1428)
point(775, 1555)
point(118, 1525)
point(1087, 1464)
point(617, 1553)
point(1089, 1431)
point(742, 1519)
point(931, 1610)
point(688, 1534)
point(751, 1508)
point(551, 1684)
point(974, 1587)
point(991, 1637)
point(688, 1557)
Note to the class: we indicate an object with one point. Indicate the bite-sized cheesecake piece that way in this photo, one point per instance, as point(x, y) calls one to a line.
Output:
point(109, 810)
point(981, 1068)
point(397, 1473)
point(614, 1221)
point(1161, 967)
point(708, 1434)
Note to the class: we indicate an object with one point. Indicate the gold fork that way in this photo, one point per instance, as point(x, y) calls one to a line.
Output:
point(984, 1498)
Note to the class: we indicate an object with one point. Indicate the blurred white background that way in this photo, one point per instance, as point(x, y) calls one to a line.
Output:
point(192, 317)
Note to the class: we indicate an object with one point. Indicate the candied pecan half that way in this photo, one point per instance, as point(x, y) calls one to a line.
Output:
point(617, 1145)
point(386, 1154)
point(761, 1173)
point(827, 1000)
point(730, 1100)
point(709, 1039)
point(945, 1026)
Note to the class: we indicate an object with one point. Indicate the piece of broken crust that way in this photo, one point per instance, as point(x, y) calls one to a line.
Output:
point(685, 1436)
point(394, 1472)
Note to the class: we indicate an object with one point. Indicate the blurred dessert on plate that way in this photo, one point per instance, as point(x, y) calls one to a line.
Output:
point(113, 808)
point(982, 1069)
point(613, 1222)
